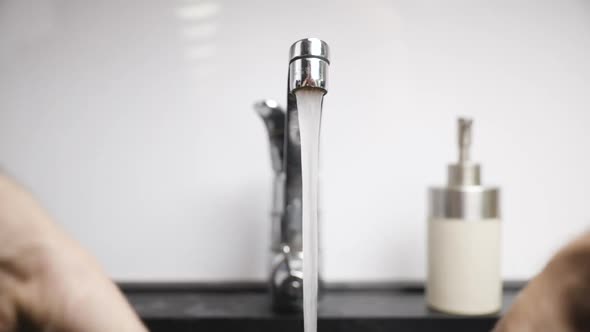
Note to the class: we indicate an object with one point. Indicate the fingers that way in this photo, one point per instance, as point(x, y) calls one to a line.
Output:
point(538, 308)
point(99, 306)
point(81, 296)
point(7, 315)
point(47, 279)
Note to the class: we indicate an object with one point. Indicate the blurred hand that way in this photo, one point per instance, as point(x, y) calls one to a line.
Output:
point(47, 281)
point(558, 299)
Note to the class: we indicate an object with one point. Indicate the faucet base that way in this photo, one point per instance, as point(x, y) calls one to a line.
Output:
point(286, 285)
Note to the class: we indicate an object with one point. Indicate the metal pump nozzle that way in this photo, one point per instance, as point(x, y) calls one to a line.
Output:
point(464, 173)
point(464, 139)
point(464, 197)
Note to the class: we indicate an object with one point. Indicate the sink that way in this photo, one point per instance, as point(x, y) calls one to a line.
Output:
point(399, 307)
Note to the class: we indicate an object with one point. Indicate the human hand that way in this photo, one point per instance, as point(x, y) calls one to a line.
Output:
point(47, 281)
point(558, 299)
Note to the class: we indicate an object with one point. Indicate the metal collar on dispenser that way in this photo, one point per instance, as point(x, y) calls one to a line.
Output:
point(464, 197)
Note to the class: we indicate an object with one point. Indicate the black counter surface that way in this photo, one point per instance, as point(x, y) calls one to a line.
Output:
point(246, 307)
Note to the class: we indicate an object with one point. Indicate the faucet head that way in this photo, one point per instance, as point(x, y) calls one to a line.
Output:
point(308, 65)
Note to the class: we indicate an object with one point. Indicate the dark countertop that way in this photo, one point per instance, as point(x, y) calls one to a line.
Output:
point(231, 307)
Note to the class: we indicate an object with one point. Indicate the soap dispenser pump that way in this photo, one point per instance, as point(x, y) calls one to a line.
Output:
point(464, 232)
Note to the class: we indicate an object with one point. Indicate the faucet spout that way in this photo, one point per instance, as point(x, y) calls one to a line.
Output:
point(309, 60)
point(308, 65)
point(308, 69)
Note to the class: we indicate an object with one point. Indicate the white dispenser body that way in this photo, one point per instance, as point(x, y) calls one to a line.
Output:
point(464, 273)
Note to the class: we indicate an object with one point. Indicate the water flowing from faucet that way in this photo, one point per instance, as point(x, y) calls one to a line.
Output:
point(309, 105)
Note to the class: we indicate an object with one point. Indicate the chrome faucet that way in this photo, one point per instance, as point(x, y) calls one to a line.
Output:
point(308, 68)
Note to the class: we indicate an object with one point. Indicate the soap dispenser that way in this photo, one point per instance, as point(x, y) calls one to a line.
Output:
point(464, 232)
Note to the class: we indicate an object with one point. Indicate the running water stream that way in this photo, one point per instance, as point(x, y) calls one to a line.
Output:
point(309, 106)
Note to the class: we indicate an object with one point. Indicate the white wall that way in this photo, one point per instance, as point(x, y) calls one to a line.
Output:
point(132, 122)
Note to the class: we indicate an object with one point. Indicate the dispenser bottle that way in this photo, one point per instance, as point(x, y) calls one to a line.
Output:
point(464, 239)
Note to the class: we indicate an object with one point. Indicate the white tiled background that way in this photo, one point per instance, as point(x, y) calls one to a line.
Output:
point(132, 122)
